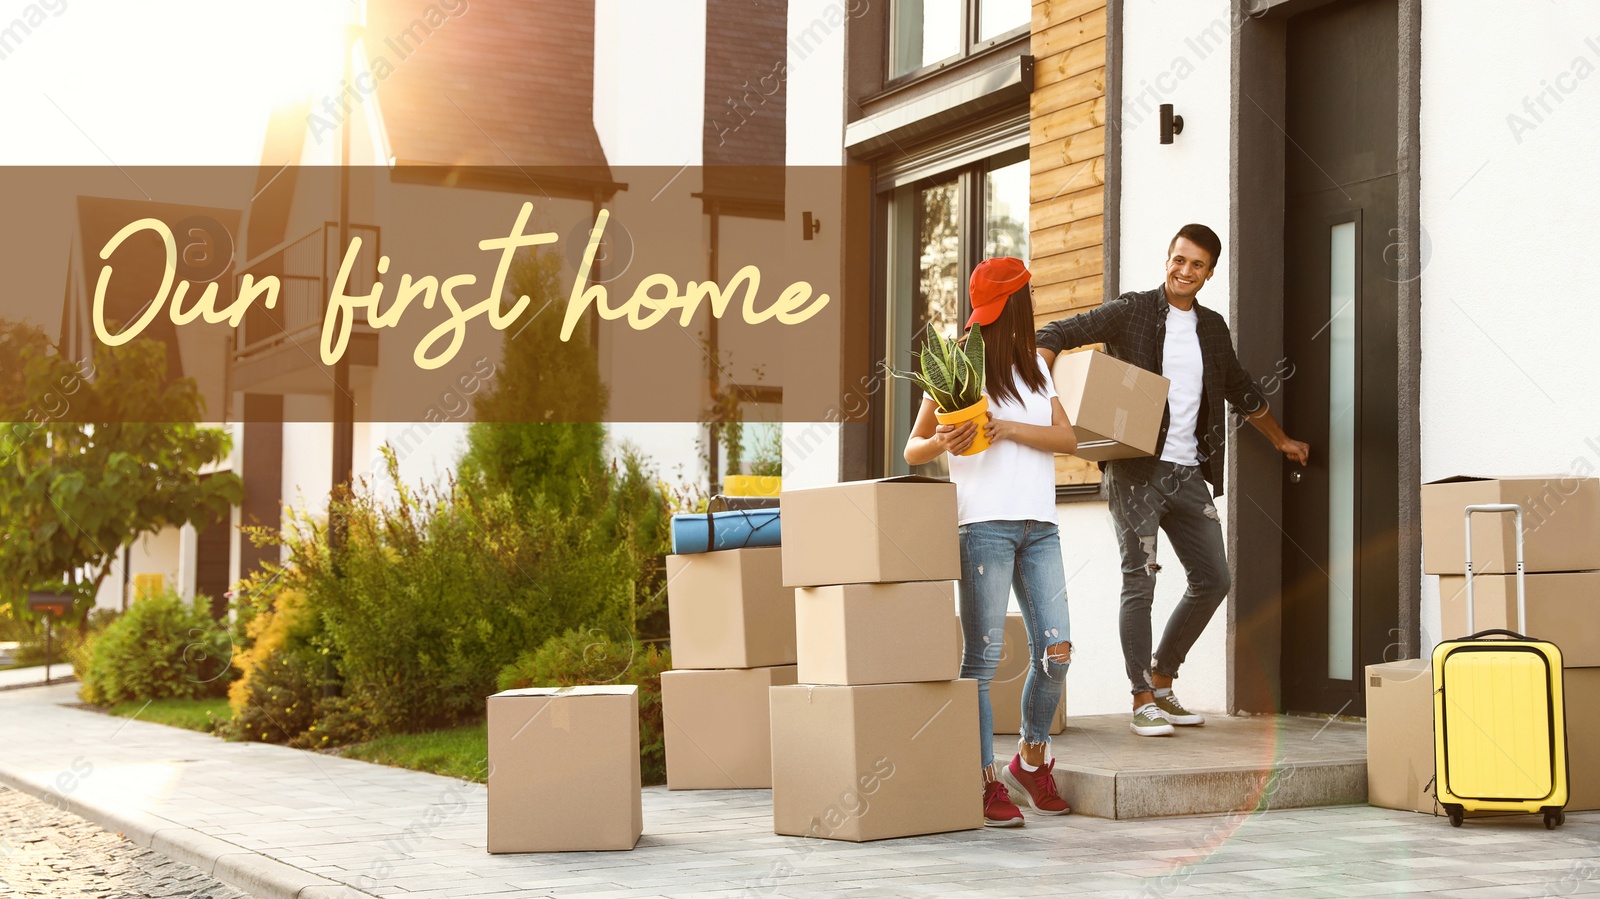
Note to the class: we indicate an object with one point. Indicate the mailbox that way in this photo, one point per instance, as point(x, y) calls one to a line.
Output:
point(57, 604)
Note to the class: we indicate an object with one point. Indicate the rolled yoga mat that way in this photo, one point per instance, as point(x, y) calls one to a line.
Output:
point(711, 531)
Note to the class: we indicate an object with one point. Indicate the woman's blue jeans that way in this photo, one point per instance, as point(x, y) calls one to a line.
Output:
point(995, 557)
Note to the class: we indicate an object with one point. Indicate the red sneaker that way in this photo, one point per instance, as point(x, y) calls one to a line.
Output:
point(998, 809)
point(1039, 786)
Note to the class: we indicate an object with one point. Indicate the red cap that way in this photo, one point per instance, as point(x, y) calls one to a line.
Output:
point(993, 281)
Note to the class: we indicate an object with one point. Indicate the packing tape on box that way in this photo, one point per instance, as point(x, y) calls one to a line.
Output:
point(1130, 378)
point(1119, 426)
point(560, 718)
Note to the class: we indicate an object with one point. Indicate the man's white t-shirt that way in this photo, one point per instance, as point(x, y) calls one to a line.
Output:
point(1010, 481)
point(1181, 364)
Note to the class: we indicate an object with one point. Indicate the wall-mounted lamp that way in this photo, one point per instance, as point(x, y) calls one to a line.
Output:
point(1170, 124)
point(809, 226)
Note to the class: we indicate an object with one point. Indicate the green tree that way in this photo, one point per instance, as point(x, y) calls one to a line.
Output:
point(538, 439)
point(96, 457)
point(18, 343)
point(538, 431)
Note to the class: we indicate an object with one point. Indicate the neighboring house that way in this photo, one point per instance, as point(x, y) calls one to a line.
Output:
point(455, 106)
point(188, 559)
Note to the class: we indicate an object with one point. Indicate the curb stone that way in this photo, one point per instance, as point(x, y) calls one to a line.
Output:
point(241, 868)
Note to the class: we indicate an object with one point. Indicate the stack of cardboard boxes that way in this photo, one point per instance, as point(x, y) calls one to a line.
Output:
point(1561, 563)
point(878, 739)
point(733, 638)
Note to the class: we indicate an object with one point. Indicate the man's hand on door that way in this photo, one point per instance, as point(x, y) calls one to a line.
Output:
point(1295, 450)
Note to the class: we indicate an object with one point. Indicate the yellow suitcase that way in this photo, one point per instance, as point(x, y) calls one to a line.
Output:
point(1499, 722)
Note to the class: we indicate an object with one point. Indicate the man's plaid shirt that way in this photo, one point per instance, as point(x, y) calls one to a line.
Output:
point(1134, 329)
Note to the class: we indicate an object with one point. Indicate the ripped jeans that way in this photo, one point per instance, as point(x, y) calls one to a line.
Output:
point(1175, 500)
point(995, 556)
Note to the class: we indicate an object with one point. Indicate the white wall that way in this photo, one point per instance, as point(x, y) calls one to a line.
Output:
point(1509, 128)
point(156, 553)
point(814, 136)
point(1174, 51)
point(649, 110)
point(649, 81)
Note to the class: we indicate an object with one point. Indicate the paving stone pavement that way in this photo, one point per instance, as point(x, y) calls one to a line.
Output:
point(280, 822)
point(47, 852)
point(33, 676)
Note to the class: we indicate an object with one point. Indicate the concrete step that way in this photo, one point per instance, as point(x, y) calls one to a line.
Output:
point(1228, 764)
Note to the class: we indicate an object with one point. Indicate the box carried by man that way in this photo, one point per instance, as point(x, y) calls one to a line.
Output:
point(1115, 408)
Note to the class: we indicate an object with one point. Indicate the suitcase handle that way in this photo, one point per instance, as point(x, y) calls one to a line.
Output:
point(1522, 599)
point(1496, 632)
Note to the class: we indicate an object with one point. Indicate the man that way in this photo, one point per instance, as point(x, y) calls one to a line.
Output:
point(1166, 330)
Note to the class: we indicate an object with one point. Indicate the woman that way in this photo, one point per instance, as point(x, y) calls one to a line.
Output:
point(1005, 497)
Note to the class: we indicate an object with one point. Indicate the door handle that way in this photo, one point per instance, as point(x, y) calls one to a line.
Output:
point(1296, 476)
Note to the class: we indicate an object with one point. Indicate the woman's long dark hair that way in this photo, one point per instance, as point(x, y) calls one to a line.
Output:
point(1009, 347)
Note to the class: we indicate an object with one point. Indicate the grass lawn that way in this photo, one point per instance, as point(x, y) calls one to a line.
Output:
point(192, 714)
point(458, 752)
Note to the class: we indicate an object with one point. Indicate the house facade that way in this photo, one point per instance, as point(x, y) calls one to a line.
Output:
point(1355, 161)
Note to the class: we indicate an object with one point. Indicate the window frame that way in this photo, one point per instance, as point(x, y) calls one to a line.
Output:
point(970, 45)
point(969, 174)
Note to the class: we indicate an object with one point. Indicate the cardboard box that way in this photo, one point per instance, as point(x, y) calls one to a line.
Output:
point(1563, 607)
point(543, 741)
point(1560, 516)
point(1005, 691)
point(1581, 689)
point(717, 729)
point(1115, 408)
point(877, 761)
point(1400, 735)
point(730, 609)
point(875, 633)
point(870, 532)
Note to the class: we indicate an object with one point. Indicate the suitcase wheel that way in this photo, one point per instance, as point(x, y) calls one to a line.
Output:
point(1553, 818)
point(1457, 814)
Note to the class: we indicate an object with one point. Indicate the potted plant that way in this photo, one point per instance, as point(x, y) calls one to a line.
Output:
point(952, 374)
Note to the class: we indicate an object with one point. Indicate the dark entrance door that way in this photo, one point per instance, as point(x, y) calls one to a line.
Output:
point(211, 565)
point(1340, 560)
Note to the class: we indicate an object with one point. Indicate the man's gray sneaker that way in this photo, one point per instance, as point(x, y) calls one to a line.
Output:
point(1149, 722)
point(1174, 711)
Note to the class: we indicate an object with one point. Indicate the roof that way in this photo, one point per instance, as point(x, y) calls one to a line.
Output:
point(486, 83)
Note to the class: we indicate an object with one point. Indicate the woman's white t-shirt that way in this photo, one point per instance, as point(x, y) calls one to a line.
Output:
point(1010, 481)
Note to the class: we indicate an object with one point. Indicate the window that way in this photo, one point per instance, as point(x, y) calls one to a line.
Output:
point(941, 226)
point(924, 33)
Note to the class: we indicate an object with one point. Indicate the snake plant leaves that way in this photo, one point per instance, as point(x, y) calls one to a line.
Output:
point(952, 371)
point(936, 378)
point(974, 350)
point(934, 369)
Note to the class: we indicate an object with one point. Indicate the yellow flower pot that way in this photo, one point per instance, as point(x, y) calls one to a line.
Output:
point(979, 411)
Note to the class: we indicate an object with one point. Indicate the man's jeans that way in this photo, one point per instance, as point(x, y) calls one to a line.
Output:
point(1177, 501)
point(995, 556)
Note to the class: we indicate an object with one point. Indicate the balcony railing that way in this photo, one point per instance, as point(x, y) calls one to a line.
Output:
point(306, 267)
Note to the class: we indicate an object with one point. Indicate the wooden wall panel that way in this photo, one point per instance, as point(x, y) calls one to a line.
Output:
point(1067, 117)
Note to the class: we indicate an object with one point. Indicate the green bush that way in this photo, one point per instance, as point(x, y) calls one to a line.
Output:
point(281, 668)
point(161, 648)
point(579, 658)
point(432, 594)
point(279, 702)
